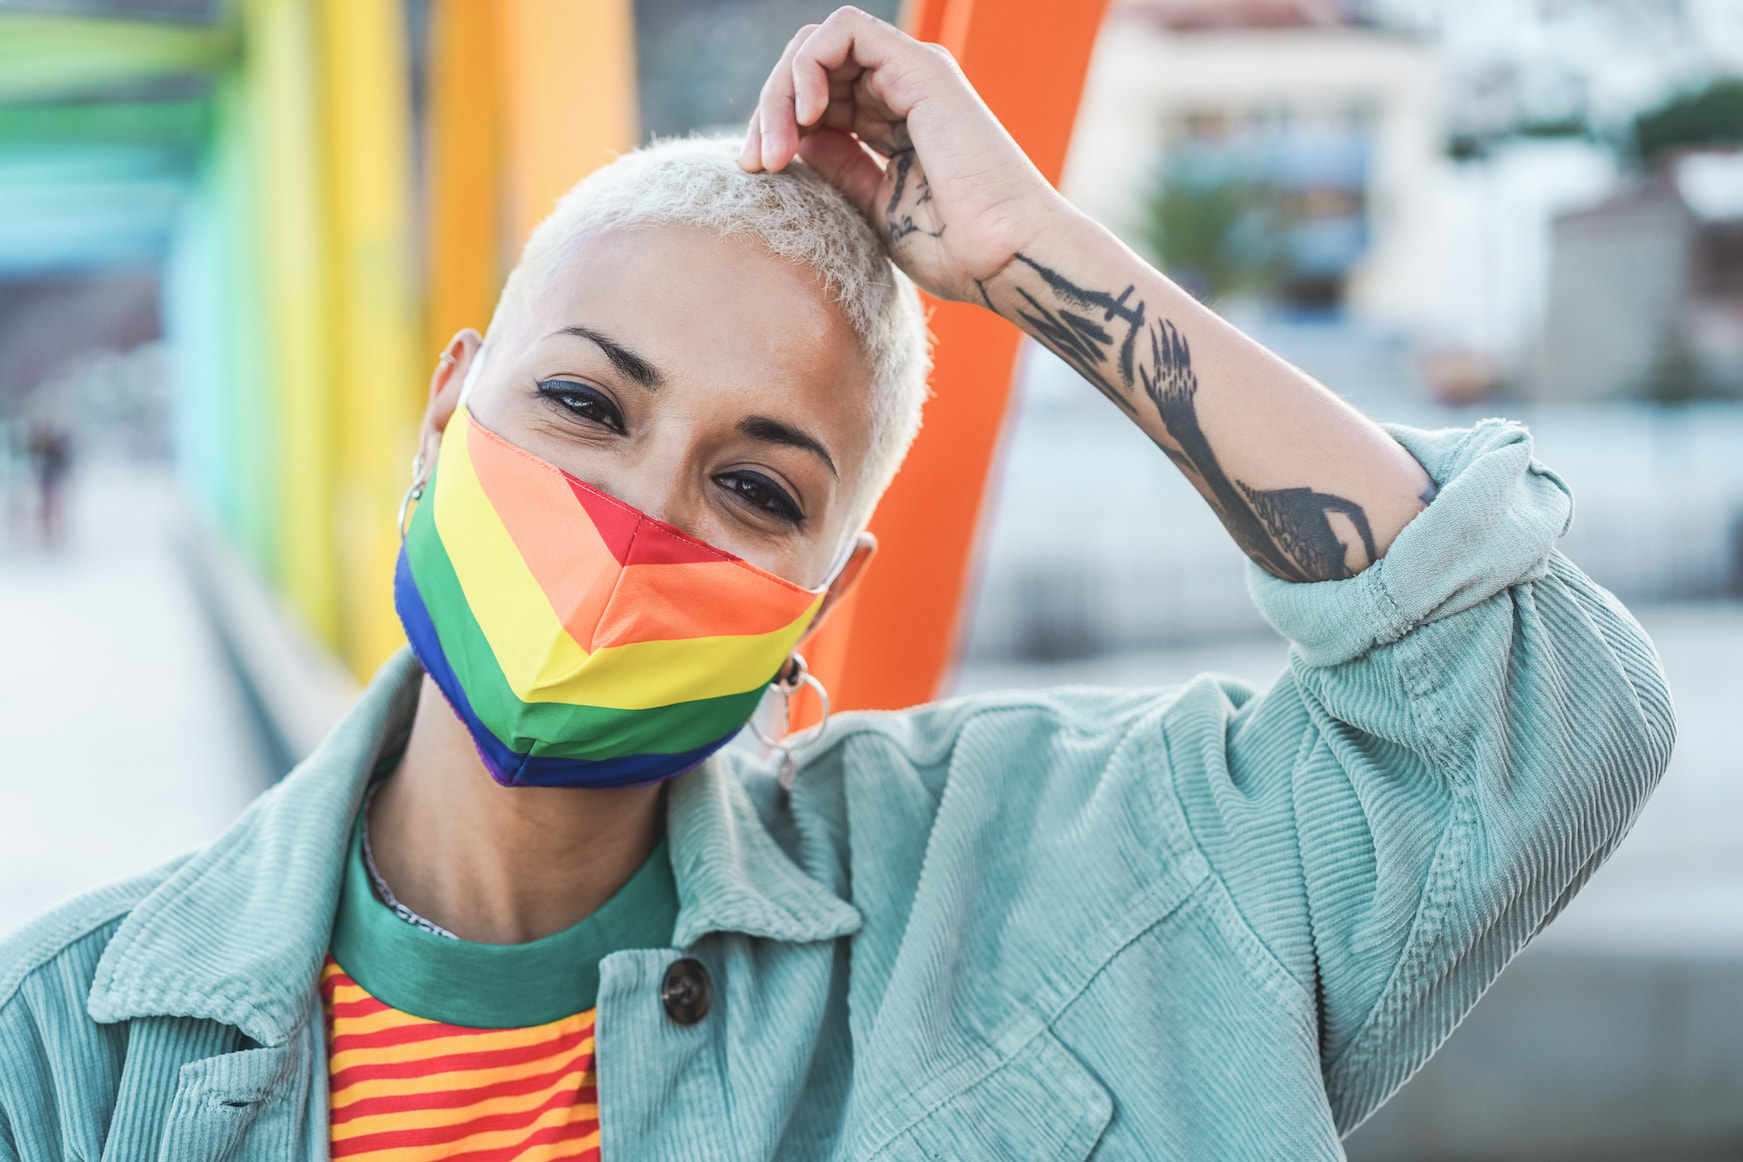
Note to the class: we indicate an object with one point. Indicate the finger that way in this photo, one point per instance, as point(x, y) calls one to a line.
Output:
point(815, 91)
point(873, 119)
point(852, 41)
point(810, 92)
point(840, 115)
point(841, 111)
point(779, 126)
point(750, 154)
point(846, 165)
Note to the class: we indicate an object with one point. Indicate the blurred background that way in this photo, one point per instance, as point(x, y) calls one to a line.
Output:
point(234, 233)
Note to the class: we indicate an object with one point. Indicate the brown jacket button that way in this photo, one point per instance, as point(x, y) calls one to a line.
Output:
point(686, 991)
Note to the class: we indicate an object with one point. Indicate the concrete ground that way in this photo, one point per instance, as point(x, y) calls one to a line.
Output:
point(123, 735)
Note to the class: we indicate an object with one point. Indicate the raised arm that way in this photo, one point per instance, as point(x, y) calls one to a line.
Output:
point(1464, 732)
point(1309, 488)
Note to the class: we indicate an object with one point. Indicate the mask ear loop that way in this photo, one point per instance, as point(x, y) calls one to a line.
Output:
point(415, 492)
point(789, 682)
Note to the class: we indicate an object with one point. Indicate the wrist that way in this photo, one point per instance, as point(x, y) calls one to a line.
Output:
point(1053, 229)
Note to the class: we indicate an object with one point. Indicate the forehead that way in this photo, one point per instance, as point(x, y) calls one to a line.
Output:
point(722, 309)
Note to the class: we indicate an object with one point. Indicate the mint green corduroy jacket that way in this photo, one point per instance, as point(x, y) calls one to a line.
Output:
point(1197, 923)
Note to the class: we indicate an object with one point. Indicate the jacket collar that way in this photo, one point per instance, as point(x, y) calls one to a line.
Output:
point(238, 932)
point(732, 876)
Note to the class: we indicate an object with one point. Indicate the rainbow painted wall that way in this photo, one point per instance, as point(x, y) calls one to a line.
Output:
point(320, 238)
point(330, 208)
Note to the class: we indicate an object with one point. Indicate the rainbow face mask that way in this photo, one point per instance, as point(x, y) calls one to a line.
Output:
point(583, 643)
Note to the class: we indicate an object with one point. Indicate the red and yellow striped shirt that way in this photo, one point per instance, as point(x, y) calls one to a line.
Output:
point(406, 1089)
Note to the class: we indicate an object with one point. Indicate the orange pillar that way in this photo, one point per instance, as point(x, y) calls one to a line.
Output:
point(569, 87)
point(893, 648)
point(526, 98)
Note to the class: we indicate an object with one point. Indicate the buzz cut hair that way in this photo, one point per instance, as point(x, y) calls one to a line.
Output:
point(795, 215)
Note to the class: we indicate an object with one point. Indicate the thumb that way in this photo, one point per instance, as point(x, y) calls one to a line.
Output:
point(845, 164)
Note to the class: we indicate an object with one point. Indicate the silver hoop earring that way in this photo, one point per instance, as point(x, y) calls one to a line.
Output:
point(789, 682)
point(415, 492)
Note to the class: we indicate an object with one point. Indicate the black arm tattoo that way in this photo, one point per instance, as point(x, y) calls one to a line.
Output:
point(1298, 519)
point(1288, 531)
point(1077, 340)
point(1112, 308)
point(899, 226)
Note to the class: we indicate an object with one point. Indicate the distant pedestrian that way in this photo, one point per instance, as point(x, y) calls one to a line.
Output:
point(51, 458)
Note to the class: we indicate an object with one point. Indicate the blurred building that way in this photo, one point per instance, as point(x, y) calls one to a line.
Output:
point(1646, 294)
point(1394, 168)
point(1319, 135)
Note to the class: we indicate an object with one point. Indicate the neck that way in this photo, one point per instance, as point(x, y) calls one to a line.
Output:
point(495, 864)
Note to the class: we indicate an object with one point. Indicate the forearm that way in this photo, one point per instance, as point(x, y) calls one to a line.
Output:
point(1309, 487)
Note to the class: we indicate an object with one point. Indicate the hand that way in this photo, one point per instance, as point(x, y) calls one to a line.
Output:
point(895, 125)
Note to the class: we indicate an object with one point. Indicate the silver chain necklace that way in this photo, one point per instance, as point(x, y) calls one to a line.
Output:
point(385, 892)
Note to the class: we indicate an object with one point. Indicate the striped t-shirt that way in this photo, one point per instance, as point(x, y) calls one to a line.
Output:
point(407, 1088)
point(440, 1048)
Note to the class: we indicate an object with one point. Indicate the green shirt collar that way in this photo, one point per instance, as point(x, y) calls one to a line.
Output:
point(495, 986)
point(237, 933)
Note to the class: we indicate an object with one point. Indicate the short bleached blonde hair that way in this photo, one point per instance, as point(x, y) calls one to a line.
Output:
point(795, 215)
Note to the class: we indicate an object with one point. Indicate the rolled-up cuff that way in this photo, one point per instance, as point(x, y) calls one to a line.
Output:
point(1492, 526)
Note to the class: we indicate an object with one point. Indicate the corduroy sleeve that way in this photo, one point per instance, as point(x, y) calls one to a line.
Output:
point(1465, 732)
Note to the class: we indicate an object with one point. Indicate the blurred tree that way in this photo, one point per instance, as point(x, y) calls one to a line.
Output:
point(1677, 376)
point(1206, 235)
point(1712, 115)
point(1572, 125)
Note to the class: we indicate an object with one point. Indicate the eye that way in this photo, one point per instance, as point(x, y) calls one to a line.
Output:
point(585, 402)
point(759, 492)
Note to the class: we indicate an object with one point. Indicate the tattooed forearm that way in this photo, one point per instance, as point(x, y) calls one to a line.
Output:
point(1172, 387)
point(1299, 520)
point(1079, 341)
point(1294, 533)
point(1112, 308)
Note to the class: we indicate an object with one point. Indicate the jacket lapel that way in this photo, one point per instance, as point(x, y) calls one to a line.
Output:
point(234, 938)
point(732, 875)
point(238, 932)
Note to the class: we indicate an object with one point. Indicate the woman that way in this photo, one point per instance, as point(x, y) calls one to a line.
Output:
point(1199, 923)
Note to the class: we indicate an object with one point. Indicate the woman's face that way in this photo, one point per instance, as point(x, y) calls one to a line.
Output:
point(696, 378)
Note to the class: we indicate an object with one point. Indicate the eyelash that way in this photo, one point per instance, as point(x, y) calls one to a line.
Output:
point(575, 397)
point(587, 403)
point(779, 504)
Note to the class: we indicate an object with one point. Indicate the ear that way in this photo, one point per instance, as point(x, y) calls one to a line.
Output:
point(445, 383)
point(865, 546)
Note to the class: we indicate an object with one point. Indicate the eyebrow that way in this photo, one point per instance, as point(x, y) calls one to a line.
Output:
point(771, 431)
point(626, 361)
